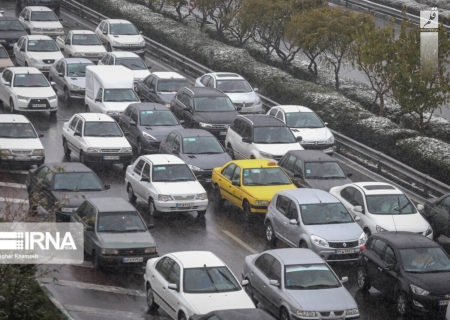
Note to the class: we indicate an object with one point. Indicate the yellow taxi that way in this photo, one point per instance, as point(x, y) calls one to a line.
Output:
point(249, 184)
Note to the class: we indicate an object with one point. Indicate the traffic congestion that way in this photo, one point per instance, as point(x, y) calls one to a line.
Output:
point(196, 202)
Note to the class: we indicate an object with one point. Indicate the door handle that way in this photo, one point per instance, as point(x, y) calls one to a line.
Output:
point(380, 268)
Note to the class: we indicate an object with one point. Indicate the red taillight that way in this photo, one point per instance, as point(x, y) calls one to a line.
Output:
point(362, 248)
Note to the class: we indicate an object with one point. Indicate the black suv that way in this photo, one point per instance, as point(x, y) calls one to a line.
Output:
point(52, 4)
point(10, 31)
point(204, 108)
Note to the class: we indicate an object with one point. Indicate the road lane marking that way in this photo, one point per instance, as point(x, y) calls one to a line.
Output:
point(13, 185)
point(92, 286)
point(240, 242)
point(114, 314)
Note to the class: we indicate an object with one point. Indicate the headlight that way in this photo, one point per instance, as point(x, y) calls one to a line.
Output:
point(34, 60)
point(201, 196)
point(428, 232)
point(93, 150)
point(116, 43)
point(142, 43)
point(352, 312)
point(319, 241)
point(194, 168)
point(149, 136)
point(75, 87)
point(362, 239)
point(262, 202)
point(379, 229)
point(164, 197)
point(330, 140)
point(205, 125)
point(306, 314)
point(67, 209)
point(5, 152)
point(418, 290)
point(126, 150)
point(110, 251)
point(23, 98)
point(266, 155)
point(52, 97)
point(150, 250)
point(38, 152)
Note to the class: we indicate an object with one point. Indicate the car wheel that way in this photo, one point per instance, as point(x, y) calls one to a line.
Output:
point(66, 96)
point(108, 47)
point(131, 195)
point(230, 151)
point(201, 213)
point(151, 208)
point(401, 303)
point(246, 210)
point(284, 314)
point(95, 261)
point(217, 198)
point(139, 149)
point(152, 306)
point(361, 278)
point(303, 244)
point(182, 316)
point(82, 157)
point(11, 106)
point(270, 234)
point(66, 150)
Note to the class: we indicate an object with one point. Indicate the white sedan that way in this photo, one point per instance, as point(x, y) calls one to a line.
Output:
point(166, 183)
point(191, 283)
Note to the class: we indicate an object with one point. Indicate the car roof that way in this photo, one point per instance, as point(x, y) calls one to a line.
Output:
point(117, 21)
point(37, 37)
point(123, 54)
point(225, 75)
point(196, 259)
point(294, 108)
point(187, 132)
point(68, 166)
point(77, 60)
point(168, 75)
point(38, 8)
point(205, 92)
point(32, 70)
point(311, 155)
point(158, 159)
point(262, 120)
point(255, 163)
point(111, 204)
point(148, 106)
point(8, 118)
point(310, 195)
point(82, 31)
point(95, 116)
point(291, 256)
point(405, 239)
point(376, 188)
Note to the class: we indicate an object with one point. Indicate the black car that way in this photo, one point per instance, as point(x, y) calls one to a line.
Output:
point(161, 86)
point(204, 108)
point(313, 169)
point(235, 314)
point(198, 148)
point(59, 188)
point(408, 267)
point(437, 212)
point(10, 31)
point(146, 124)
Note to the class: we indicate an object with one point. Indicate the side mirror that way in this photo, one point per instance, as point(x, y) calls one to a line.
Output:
point(105, 32)
point(235, 182)
point(247, 139)
point(98, 100)
point(274, 282)
point(7, 84)
point(172, 286)
point(358, 209)
point(132, 123)
point(76, 133)
point(145, 179)
point(298, 139)
point(60, 74)
point(245, 282)
point(255, 89)
point(26, 19)
point(420, 207)
point(357, 218)
point(349, 175)
point(344, 279)
point(293, 221)
point(298, 174)
point(40, 135)
point(107, 186)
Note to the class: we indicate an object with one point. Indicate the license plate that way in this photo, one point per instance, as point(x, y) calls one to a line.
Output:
point(443, 302)
point(133, 260)
point(111, 158)
point(222, 133)
point(45, 68)
point(38, 105)
point(346, 251)
point(184, 205)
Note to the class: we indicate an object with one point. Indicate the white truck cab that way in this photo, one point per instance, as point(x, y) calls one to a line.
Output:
point(109, 89)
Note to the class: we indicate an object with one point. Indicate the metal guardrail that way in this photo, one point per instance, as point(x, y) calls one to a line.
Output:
point(414, 181)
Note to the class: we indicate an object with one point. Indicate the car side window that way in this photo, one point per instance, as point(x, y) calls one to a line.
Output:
point(138, 167)
point(82, 210)
point(163, 266)
point(60, 67)
point(246, 130)
point(134, 116)
point(79, 127)
point(445, 203)
point(146, 171)
point(236, 175)
point(204, 80)
point(288, 163)
point(389, 256)
point(174, 274)
point(273, 112)
point(282, 204)
point(275, 270)
point(292, 212)
point(378, 247)
point(7, 76)
point(73, 123)
point(228, 171)
point(353, 196)
point(99, 95)
point(176, 144)
point(169, 140)
point(104, 28)
point(280, 116)
point(298, 167)
point(263, 263)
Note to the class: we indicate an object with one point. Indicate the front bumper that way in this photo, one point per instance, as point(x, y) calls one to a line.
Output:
point(20, 161)
point(139, 50)
point(135, 259)
point(181, 206)
point(36, 104)
point(337, 254)
point(326, 148)
point(430, 303)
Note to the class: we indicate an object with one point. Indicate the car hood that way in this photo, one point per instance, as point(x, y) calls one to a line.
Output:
point(35, 92)
point(206, 161)
point(159, 132)
point(117, 106)
point(222, 117)
point(438, 283)
point(322, 299)
point(402, 222)
point(202, 303)
point(326, 184)
point(123, 240)
point(181, 187)
point(312, 134)
point(54, 55)
point(336, 232)
point(127, 39)
point(107, 142)
point(277, 149)
point(46, 24)
point(89, 49)
point(78, 81)
point(242, 97)
point(73, 199)
point(21, 144)
point(266, 192)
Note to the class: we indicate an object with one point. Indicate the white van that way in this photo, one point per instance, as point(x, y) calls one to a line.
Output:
point(109, 89)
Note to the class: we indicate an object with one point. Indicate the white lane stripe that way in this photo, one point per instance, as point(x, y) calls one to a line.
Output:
point(239, 241)
point(114, 314)
point(13, 200)
point(92, 286)
point(13, 185)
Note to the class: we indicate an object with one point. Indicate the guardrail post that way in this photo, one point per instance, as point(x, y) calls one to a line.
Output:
point(379, 166)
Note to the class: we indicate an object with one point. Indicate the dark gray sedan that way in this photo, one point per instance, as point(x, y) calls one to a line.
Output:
point(297, 284)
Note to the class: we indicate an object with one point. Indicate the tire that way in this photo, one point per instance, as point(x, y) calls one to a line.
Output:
point(217, 197)
point(270, 234)
point(303, 244)
point(201, 214)
point(246, 210)
point(11, 107)
point(182, 316)
point(66, 150)
point(401, 303)
point(66, 96)
point(230, 151)
point(284, 314)
point(361, 279)
point(152, 209)
point(131, 195)
point(152, 306)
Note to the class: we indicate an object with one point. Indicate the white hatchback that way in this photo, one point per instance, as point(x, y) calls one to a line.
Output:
point(166, 184)
point(41, 20)
point(191, 283)
point(382, 207)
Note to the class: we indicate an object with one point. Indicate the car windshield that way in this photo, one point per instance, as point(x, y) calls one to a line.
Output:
point(309, 276)
point(76, 181)
point(324, 213)
point(172, 173)
point(11, 25)
point(86, 40)
point(123, 29)
point(77, 69)
point(3, 53)
point(208, 104)
point(120, 222)
point(209, 280)
point(202, 145)
point(17, 130)
point(43, 16)
point(264, 177)
point(157, 118)
point(102, 129)
point(30, 80)
point(390, 204)
point(269, 135)
point(120, 95)
point(323, 170)
point(132, 63)
point(233, 86)
point(42, 46)
point(303, 120)
point(171, 85)
point(424, 260)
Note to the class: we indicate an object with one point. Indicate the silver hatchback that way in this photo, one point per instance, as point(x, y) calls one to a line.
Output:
point(315, 219)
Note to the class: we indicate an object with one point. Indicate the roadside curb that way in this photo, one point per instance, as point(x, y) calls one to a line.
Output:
point(55, 302)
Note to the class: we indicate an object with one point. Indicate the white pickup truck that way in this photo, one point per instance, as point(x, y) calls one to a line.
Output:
point(81, 44)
